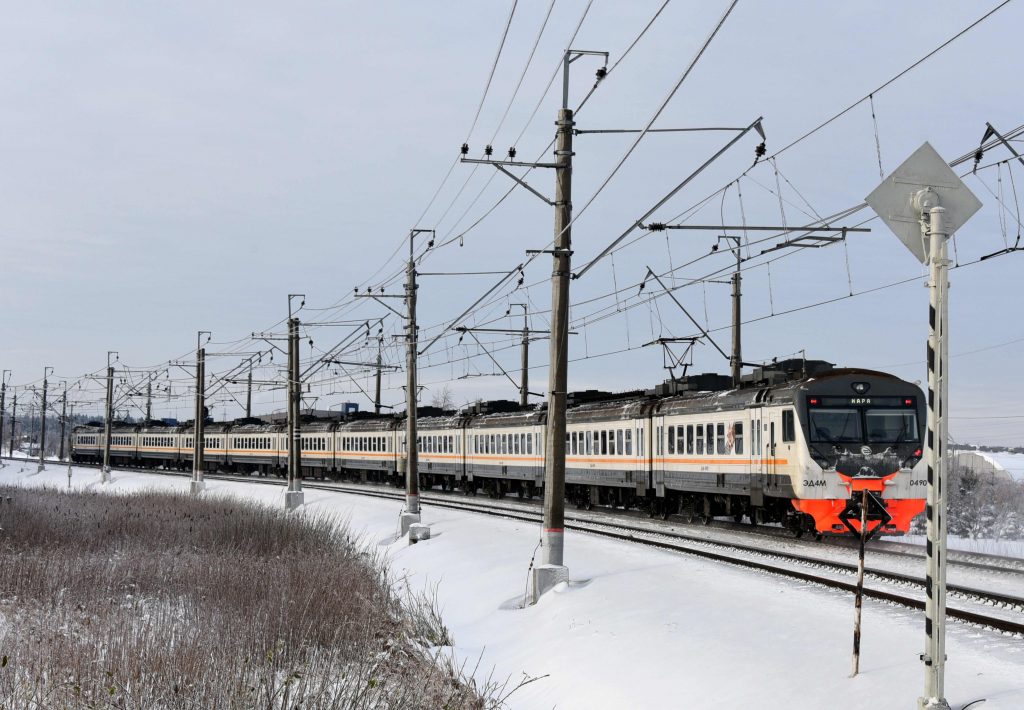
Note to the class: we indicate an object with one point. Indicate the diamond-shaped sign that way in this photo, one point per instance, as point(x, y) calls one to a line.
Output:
point(893, 200)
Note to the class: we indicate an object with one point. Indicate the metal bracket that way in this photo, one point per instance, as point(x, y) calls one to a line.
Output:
point(524, 184)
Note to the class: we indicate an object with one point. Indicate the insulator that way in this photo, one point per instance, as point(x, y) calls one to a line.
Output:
point(602, 73)
point(656, 227)
point(488, 151)
point(512, 152)
point(465, 149)
point(760, 150)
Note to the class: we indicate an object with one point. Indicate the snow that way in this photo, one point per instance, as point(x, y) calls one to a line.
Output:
point(1011, 463)
point(639, 627)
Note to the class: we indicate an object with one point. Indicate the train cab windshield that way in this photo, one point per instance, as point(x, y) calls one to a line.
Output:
point(836, 426)
point(887, 426)
point(895, 424)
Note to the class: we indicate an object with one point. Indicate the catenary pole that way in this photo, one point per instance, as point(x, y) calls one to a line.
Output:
point(108, 416)
point(63, 421)
point(412, 484)
point(737, 355)
point(42, 421)
point(199, 429)
point(524, 377)
point(3, 403)
point(376, 394)
point(294, 496)
point(553, 531)
point(14, 422)
point(248, 394)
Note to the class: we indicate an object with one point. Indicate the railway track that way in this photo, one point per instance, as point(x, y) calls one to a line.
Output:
point(990, 609)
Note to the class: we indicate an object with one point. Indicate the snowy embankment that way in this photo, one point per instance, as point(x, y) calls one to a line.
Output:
point(639, 627)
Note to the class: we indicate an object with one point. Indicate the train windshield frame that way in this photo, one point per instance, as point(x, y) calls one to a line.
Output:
point(863, 420)
point(891, 426)
point(834, 425)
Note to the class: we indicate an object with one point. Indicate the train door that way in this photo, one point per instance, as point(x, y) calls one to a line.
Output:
point(657, 454)
point(758, 463)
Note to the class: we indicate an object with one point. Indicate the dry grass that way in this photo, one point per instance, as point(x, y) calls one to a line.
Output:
point(161, 601)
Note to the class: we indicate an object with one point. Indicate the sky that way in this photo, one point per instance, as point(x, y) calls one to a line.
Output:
point(171, 168)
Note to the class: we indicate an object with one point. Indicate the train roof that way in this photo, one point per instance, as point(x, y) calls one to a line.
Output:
point(454, 421)
point(635, 406)
point(254, 427)
point(525, 417)
point(783, 393)
point(380, 423)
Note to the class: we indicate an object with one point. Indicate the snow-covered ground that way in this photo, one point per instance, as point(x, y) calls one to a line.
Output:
point(639, 627)
point(985, 545)
point(1009, 462)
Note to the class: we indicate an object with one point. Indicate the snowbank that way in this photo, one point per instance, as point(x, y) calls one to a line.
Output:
point(643, 628)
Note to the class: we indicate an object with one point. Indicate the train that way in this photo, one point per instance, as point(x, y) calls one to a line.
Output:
point(793, 444)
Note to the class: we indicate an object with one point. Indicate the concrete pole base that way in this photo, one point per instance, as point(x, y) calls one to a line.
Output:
point(408, 520)
point(546, 578)
point(197, 487)
point(105, 476)
point(417, 532)
point(293, 499)
point(932, 704)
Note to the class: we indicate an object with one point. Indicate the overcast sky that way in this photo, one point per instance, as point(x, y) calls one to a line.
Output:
point(175, 167)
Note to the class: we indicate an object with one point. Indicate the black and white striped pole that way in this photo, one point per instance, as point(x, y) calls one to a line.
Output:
point(923, 202)
point(934, 656)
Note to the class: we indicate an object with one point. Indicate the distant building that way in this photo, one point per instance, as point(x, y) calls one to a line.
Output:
point(1001, 466)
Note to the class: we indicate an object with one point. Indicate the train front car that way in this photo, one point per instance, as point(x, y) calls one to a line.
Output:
point(861, 430)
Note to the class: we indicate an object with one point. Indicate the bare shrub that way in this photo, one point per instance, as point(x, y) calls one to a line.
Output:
point(157, 600)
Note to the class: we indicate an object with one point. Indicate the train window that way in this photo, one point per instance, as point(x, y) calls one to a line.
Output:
point(835, 425)
point(890, 426)
point(671, 439)
point(789, 425)
point(699, 440)
point(604, 443)
point(689, 439)
point(658, 447)
point(721, 446)
point(574, 449)
point(628, 436)
point(737, 437)
point(680, 439)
